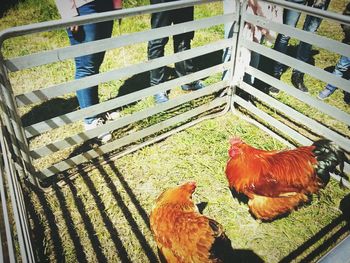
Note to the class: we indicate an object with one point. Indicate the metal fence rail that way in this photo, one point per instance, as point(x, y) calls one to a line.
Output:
point(42, 94)
point(19, 156)
point(306, 123)
point(14, 230)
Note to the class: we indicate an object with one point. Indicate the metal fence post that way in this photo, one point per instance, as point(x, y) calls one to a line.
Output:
point(13, 124)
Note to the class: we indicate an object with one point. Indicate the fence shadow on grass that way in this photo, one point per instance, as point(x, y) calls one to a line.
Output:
point(151, 255)
point(38, 229)
point(329, 241)
point(70, 225)
point(115, 236)
point(67, 210)
point(240, 255)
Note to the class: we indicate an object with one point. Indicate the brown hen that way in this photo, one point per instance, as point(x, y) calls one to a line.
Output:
point(183, 234)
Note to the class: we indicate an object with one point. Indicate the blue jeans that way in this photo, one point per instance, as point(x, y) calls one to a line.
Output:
point(342, 66)
point(311, 24)
point(90, 64)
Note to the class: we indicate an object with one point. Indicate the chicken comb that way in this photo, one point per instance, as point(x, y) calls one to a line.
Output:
point(235, 140)
point(190, 185)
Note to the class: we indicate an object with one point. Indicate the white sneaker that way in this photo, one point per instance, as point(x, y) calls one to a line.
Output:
point(112, 116)
point(104, 137)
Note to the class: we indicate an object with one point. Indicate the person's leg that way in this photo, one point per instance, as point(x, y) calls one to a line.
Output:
point(182, 42)
point(311, 24)
point(89, 64)
point(290, 17)
point(156, 50)
point(254, 62)
point(339, 70)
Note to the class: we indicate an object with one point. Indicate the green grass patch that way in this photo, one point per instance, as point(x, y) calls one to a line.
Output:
point(103, 214)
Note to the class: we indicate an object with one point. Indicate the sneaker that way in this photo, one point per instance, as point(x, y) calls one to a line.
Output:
point(325, 94)
point(112, 116)
point(161, 97)
point(104, 137)
point(272, 89)
point(193, 86)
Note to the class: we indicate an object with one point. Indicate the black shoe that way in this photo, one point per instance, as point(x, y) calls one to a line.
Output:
point(272, 89)
point(298, 81)
point(193, 86)
point(347, 97)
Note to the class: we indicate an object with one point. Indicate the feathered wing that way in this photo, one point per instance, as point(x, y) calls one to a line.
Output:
point(275, 182)
point(273, 173)
point(192, 239)
point(287, 172)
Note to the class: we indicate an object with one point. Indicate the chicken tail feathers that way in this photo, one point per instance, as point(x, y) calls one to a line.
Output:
point(329, 156)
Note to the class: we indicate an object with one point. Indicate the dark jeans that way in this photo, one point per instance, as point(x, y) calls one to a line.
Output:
point(182, 42)
point(342, 66)
point(90, 64)
point(311, 24)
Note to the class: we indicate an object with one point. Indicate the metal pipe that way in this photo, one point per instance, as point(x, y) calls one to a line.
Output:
point(95, 18)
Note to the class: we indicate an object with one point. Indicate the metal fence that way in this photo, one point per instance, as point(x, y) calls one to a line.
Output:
point(215, 99)
point(15, 238)
point(42, 94)
point(307, 125)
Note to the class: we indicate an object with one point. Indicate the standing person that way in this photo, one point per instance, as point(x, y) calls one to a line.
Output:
point(88, 65)
point(342, 66)
point(182, 42)
point(311, 24)
point(253, 33)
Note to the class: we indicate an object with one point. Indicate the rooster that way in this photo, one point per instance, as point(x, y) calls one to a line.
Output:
point(277, 182)
point(183, 234)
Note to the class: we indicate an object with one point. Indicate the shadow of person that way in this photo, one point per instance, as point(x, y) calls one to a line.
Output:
point(6, 5)
point(134, 83)
point(345, 208)
point(246, 256)
point(142, 80)
point(329, 69)
point(208, 60)
point(49, 109)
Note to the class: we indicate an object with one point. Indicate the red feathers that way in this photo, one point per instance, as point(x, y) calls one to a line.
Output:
point(275, 182)
point(182, 234)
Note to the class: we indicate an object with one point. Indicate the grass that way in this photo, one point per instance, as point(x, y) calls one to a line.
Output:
point(103, 214)
point(111, 203)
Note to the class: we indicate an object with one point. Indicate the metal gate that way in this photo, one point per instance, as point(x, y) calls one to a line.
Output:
point(15, 237)
point(308, 126)
point(21, 134)
point(267, 112)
